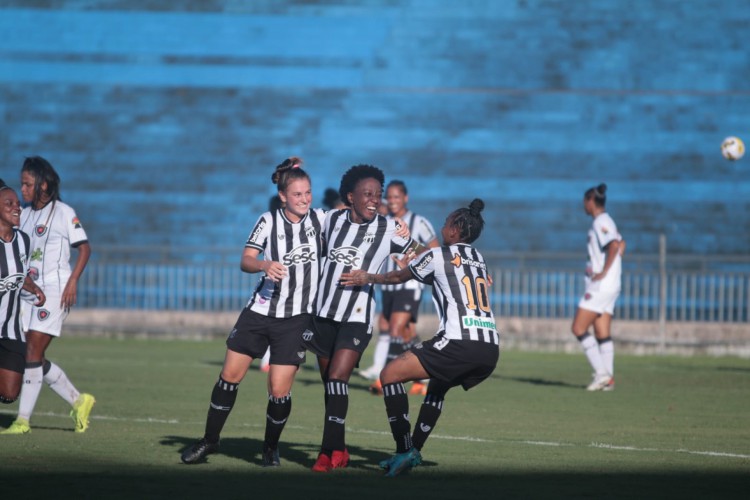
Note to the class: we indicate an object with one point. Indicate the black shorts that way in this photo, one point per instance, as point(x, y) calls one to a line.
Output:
point(457, 362)
point(13, 355)
point(254, 333)
point(401, 301)
point(327, 336)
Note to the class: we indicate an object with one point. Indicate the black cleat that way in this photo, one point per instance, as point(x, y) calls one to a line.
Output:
point(271, 457)
point(199, 451)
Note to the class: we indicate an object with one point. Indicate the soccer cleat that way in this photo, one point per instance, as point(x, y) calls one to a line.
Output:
point(402, 462)
point(199, 451)
point(81, 411)
point(19, 426)
point(339, 459)
point(271, 457)
point(600, 382)
point(370, 374)
point(322, 464)
point(610, 386)
point(376, 389)
point(418, 389)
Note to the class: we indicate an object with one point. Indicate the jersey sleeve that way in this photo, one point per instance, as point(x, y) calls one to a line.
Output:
point(76, 233)
point(423, 268)
point(605, 230)
point(398, 244)
point(259, 235)
point(424, 232)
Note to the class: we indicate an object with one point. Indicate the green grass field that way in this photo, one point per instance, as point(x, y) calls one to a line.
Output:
point(673, 428)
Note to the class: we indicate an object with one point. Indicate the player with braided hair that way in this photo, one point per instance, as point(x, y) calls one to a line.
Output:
point(277, 313)
point(465, 349)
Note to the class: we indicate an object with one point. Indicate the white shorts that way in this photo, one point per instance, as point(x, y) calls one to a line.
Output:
point(46, 319)
point(598, 301)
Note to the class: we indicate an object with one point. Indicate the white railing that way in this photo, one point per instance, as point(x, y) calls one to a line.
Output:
point(686, 296)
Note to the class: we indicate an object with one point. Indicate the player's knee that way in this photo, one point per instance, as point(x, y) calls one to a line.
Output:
point(5, 399)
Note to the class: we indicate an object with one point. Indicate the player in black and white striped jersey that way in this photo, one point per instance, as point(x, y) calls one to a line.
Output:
point(465, 350)
point(15, 251)
point(276, 315)
point(400, 302)
point(356, 238)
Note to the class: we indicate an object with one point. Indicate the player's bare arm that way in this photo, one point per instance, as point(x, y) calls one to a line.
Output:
point(252, 264)
point(360, 277)
point(30, 286)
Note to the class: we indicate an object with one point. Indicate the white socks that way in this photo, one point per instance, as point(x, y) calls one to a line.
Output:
point(591, 350)
point(381, 351)
point(56, 379)
point(32, 386)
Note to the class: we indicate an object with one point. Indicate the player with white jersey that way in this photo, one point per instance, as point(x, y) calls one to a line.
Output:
point(54, 228)
point(356, 238)
point(603, 277)
point(400, 302)
point(465, 349)
point(276, 315)
point(15, 249)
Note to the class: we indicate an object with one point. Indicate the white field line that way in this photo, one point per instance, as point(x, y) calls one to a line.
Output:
point(606, 446)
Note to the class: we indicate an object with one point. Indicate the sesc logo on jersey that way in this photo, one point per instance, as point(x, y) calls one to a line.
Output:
point(300, 255)
point(349, 256)
point(11, 282)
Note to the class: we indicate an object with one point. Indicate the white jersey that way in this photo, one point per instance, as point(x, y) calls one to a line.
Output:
point(603, 232)
point(296, 245)
point(53, 230)
point(352, 246)
point(14, 265)
point(460, 290)
point(422, 231)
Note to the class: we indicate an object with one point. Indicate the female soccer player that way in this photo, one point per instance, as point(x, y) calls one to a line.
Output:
point(400, 302)
point(466, 348)
point(356, 238)
point(15, 249)
point(54, 229)
point(603, 274)
point(277, 313)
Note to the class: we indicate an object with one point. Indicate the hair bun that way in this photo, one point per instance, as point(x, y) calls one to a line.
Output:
point(601, 189)
point(288, 164)
point(476, 207)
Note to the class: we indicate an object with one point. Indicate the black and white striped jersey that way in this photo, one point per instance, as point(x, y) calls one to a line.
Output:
point(460, 289)
point(421, 231)
point(354, 246)
point(14, 265)
point(299, 247)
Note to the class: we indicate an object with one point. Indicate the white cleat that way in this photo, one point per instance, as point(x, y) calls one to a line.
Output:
point(370, 374)
point(600, 381)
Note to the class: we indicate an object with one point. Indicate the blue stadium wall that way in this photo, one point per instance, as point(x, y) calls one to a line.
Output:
point(165, 119)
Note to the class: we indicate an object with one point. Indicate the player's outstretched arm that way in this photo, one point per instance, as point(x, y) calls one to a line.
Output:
point(359, 277)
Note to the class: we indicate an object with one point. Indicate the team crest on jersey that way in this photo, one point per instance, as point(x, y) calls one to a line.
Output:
point(37, 254)
point(40, 230)
point(356, 341)
point(281, 236)
point(42, 314)
point(12, 282)
point(605, 230)
point(310, 232)
point(34, 273)
point(76, 223)
point(307, 335)
point(369, 237)
point(587, 296)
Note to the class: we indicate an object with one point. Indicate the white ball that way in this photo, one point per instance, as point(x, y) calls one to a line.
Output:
point(732, 148)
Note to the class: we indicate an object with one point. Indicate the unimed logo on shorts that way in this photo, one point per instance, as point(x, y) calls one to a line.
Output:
point(474, 322)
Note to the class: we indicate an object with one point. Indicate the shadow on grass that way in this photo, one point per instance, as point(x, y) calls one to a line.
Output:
point(209, 482)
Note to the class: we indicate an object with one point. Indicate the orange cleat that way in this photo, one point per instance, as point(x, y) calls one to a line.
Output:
point(418, 389)
point(376, 389)
point(322, 464)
